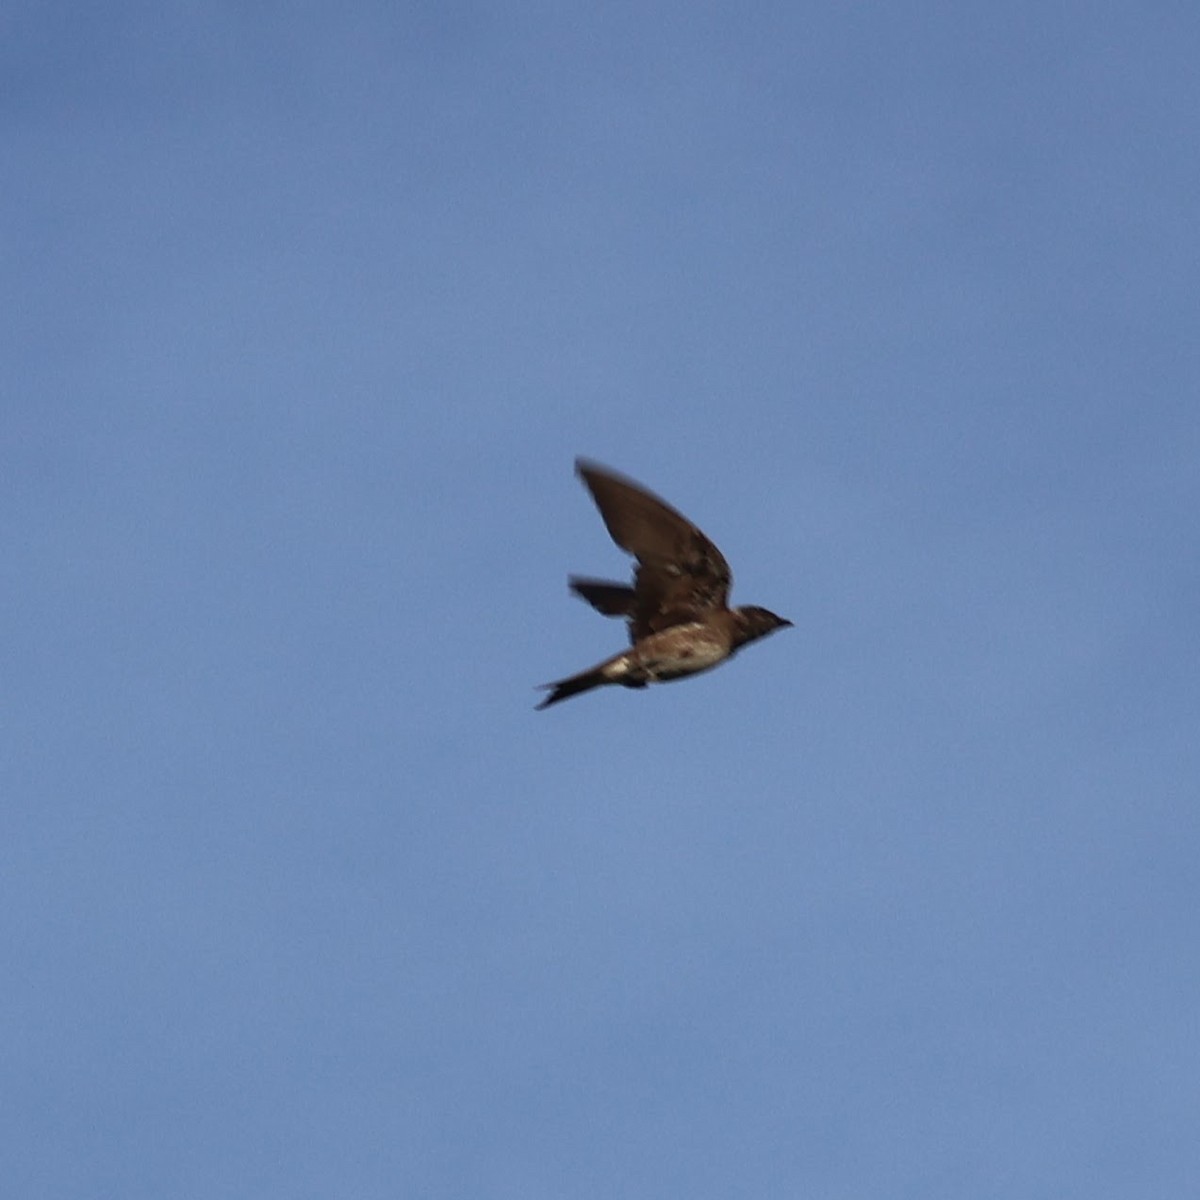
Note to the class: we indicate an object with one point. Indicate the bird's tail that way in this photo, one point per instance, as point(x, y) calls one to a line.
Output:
point(563, 689)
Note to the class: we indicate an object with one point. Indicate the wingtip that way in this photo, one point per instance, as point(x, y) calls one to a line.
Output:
point(585, 466)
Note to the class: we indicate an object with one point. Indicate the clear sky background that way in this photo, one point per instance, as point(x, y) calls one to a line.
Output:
point(308, 309)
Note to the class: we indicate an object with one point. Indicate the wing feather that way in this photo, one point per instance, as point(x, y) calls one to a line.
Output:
point(681, 576)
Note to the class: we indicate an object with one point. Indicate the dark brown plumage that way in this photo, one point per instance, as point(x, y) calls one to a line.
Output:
point(677, 609)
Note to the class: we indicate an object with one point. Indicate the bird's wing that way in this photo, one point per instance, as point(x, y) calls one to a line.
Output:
point(681, 576)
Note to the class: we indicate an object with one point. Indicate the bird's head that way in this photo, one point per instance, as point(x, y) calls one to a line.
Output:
point(754, 622)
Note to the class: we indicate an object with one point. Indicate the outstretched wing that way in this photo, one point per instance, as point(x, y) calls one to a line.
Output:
point(681, 576)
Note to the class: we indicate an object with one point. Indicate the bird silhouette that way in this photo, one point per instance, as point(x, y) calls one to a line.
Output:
point(677, 607)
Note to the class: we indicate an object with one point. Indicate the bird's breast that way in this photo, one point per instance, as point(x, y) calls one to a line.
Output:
point(680, 650)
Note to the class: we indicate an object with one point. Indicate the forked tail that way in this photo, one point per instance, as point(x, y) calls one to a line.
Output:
point(563, 689)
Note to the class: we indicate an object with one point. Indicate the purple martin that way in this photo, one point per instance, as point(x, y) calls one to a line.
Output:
point(677, 608)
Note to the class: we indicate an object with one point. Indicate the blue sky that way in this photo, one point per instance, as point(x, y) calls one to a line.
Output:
point(308, 310)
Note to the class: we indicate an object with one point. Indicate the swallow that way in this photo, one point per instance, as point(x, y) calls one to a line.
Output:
point(677, 608)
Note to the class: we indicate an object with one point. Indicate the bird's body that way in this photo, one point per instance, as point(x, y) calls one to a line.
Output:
point(677, 609)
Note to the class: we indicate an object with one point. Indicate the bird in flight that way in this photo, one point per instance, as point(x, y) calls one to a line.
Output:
point(677, 609)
